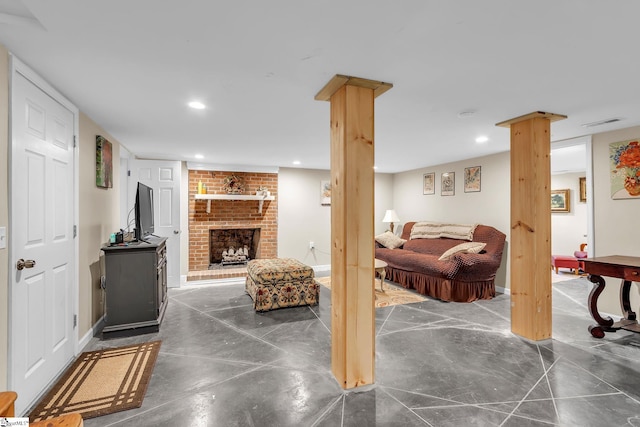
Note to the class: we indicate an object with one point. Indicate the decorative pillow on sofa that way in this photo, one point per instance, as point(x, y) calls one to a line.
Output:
point(390, 240)
point(467, 248)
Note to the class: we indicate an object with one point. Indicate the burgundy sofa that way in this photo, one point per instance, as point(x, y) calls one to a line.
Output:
point(465, 277)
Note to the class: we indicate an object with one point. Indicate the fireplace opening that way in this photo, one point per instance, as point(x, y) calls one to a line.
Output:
point(233, 247)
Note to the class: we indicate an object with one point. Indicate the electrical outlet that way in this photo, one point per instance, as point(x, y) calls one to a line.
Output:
point(312, 245)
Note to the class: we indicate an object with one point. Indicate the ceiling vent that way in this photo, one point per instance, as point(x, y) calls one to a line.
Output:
point(601, 122)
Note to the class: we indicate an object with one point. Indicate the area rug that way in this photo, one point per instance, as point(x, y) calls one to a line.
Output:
point(101, 382)
point(392, 294)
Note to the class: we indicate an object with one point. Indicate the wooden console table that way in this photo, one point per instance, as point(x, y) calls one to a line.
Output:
point(626, 268)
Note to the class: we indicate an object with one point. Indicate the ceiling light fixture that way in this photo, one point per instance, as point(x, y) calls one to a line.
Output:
point(197, 105)
point(296, 162)
point(199, 156)
point(482, 139)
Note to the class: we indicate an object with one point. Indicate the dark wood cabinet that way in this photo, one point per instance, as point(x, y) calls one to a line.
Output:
point(136, 287)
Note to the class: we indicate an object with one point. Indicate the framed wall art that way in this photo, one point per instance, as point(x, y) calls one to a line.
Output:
point(624, 160)
point(104, 163)
point(583, 188)
point(472, 177)
point(448, 183)
point(560, 201)
point(325, 193)
point(429, 183)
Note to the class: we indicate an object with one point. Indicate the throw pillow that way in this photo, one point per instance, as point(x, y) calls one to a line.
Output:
point(390, 240)
point(467, 248)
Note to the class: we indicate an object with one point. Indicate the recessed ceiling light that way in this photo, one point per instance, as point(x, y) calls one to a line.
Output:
point(375, 167)
point(296, 162)
point(199, 156)
point(197, 105)
point(481, 139)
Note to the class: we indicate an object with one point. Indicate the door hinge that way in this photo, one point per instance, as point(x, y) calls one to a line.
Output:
point(128, 173)
point(75, 231)
point(75, 321)
point(75, 143)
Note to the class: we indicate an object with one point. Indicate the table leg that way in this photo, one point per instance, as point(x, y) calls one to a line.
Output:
point(383, 274)
point(625, 287)
point(604, 325)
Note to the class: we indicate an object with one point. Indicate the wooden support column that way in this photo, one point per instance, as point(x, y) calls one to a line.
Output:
point(352, 236)
point(531, 224)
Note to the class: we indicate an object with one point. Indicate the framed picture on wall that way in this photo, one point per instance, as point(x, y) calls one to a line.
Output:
point(448, 183)
point(624, 164)
point(560, 201)
point(429, 183)
point(104, 163)
point(472, 177)
point(583, 188)
point(325, 193)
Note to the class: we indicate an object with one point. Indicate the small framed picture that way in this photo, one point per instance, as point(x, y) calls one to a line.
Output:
point(560, 201)
point(325, 193)
point(448, 183)
point(583, 189)
point(429, 183)
point(472, 177)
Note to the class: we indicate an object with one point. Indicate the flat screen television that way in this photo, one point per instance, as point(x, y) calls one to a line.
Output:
point(144, 212)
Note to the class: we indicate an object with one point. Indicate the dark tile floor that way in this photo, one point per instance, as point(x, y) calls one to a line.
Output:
point(437, 364)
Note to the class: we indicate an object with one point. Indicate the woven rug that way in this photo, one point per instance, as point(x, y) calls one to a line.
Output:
point(392, 295)
point(101, 382)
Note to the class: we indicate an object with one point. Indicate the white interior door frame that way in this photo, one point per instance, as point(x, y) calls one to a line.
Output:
point(587, 142)
point(17, 66)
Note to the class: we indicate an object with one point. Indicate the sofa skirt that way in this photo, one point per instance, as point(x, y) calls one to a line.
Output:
point(443, 289)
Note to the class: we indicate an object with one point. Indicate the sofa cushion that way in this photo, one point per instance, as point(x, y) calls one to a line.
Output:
point(467, 248)
point(390, 240)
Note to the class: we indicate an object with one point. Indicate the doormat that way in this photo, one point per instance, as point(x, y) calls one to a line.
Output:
point(101, 382)
point(392, 294)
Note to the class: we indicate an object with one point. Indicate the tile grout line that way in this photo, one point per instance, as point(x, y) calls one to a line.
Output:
point(385, 321)
point(233, 327)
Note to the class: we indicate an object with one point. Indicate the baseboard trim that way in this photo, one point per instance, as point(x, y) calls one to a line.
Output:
point(325, 267)
point(97, 327)
point(217, 282)
point(506, 291)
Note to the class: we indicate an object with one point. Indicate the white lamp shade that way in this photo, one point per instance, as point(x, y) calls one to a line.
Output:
point(390, 216)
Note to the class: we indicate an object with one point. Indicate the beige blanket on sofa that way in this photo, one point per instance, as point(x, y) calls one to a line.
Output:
point(435, 230)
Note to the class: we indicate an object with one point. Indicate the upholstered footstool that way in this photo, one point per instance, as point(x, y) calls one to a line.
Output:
point(563, 261)
point(280, 282)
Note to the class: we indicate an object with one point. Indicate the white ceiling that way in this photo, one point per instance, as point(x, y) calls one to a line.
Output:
point(132, 66)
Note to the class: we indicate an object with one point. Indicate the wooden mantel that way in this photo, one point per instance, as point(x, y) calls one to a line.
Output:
point(210, 197)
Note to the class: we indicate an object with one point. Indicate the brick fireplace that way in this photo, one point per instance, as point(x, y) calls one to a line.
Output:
point(230, 214)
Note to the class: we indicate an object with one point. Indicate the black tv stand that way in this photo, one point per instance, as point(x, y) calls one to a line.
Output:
point(136, 287)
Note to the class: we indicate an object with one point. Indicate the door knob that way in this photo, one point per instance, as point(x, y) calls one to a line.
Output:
point(21, 264)
point(176, 231)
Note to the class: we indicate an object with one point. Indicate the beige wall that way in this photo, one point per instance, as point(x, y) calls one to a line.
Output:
point(615, 221)
point(490, 206)
point(4, 213)
point(99, 217)
point(568, 229)
point(301, 217)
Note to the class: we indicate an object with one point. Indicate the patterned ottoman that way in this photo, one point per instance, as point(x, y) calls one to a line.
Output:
point(280, 282)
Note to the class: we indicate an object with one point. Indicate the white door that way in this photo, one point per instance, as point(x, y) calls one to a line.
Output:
point(164, 178)
point(42, 295)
